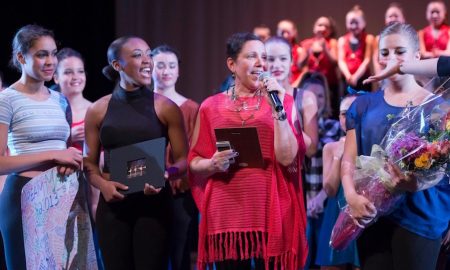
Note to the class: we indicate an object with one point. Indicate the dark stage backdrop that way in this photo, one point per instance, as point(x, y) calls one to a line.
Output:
point(85, 25)
point(199, 28)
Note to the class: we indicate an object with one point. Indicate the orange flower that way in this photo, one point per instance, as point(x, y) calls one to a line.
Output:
point(423, 162)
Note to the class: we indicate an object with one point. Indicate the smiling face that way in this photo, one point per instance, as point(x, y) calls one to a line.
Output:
point(165, 72)
point(135, 64)
point(278, 60)
point(250, 62)
point(40, 61)
point(436, 13)
point(71, 76)
point(355, 22)
point(396, 47)
point(394, 14)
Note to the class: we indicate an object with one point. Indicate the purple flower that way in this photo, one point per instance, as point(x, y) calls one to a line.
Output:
point(407, 144)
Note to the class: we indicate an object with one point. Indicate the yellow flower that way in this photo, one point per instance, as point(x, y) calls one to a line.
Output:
point(423, 161)
point(447, 125)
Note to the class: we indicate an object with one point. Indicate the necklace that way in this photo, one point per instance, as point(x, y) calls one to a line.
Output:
point(243, 120)
point(237, 103)
point(244, 104)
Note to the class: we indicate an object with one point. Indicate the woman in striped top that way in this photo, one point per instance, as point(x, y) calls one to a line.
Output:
point(34, 126)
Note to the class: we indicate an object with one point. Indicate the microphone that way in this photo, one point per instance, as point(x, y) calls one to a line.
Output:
point(276, 102)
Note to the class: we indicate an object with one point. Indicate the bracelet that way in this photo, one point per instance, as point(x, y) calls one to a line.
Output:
point(280, 116)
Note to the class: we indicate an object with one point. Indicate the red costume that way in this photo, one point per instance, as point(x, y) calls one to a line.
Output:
point(354, 58)
point(250, 212)
point(440, 42)
point(189, 109)
point(321, 62)
point(295, 70)
point(78, 145)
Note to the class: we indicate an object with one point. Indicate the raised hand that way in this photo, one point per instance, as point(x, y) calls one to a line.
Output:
point(391, 68)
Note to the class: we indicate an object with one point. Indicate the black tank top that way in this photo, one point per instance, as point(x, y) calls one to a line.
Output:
point(130, 118)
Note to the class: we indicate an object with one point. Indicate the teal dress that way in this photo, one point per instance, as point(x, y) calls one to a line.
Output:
point(327, 256)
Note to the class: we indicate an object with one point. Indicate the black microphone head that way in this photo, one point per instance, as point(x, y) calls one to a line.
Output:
point(264, 75)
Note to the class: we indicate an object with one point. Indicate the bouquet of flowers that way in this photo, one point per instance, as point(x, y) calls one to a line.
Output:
point(419, 144)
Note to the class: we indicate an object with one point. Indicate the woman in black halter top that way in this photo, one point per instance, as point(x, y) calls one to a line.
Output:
point(133, 230)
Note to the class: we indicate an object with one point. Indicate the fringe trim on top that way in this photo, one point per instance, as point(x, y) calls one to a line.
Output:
point(243, 246)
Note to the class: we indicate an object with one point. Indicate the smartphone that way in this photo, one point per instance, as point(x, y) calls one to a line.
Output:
point(222, 146)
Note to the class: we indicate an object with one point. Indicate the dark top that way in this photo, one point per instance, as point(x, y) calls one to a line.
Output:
point(443, 66)
point(130, 118)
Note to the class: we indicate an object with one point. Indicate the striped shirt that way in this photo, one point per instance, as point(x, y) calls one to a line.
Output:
point(329, 131)
point(34, 126)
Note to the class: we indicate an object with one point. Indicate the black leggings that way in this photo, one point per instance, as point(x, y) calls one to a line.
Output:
point(387, 246)
point(184, 231)
point(11, 222)
point(134, 233)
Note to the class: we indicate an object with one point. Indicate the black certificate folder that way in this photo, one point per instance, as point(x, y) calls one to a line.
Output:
point(139, 163)
point(245, 141)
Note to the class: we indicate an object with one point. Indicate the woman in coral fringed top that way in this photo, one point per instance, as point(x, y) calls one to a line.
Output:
point(249, 213)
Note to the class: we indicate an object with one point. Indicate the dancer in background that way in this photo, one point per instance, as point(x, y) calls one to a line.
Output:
point(355, 50)
point(279, 61)
point(328, 131)
point(70, 76)
point(327, 258)
point(288, 30)
point(435, 38)
point(185, 223)
point(321, 57)
point(262, 31)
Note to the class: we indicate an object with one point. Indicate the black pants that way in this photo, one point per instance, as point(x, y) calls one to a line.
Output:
point(387, 246)
point(11, 222)
point(134, 233)
point(184, 234)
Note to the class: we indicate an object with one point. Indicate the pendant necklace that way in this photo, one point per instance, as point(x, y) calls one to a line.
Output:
point(246, 119)
point(239, 106)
